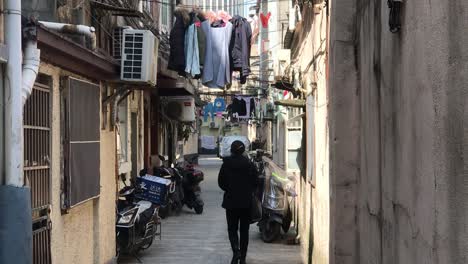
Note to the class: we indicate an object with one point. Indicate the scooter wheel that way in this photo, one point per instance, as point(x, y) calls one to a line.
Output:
point(271, 231)
point(164, 212)
point(199, 209)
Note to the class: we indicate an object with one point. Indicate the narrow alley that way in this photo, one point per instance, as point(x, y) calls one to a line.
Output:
point(202, 239)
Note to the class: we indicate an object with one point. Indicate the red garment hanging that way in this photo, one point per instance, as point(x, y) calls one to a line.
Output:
point(265, 19)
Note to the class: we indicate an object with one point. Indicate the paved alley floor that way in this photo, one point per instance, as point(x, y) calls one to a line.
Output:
point(202, 239)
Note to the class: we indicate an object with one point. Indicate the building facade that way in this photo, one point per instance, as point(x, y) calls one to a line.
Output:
point(385, 138)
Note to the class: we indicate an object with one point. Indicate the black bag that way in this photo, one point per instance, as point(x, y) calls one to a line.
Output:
point(255, 210)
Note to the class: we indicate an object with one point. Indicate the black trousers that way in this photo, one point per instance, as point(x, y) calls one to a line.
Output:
point(236, 218)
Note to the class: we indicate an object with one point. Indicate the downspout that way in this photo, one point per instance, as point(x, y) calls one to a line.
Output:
point(15, 197)
point(87, 31)
point(31, 64)
point(13, 101)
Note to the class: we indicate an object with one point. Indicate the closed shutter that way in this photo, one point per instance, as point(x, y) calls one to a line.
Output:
point(81, 110)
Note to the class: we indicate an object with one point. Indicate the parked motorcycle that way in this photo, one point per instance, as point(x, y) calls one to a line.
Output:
point(191, 186)
point(175, 196)
point(277, 194)
point(137, 222)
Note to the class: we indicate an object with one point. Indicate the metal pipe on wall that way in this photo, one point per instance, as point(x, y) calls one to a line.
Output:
point(13, 98)
point(15, 197)
point(87, 31)
point(31, 63)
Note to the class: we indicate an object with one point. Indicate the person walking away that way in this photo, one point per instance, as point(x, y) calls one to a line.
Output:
point(238, 179)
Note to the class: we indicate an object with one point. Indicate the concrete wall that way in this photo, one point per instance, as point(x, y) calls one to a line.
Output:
point(87, 233)
point(309, 52)
point(398, 133)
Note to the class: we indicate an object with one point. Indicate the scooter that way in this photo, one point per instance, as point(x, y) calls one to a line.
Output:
point(277, 194)
point(175, 196)
point(137, 222)
point(191, 186)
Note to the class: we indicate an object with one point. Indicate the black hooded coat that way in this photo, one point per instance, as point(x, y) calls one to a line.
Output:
point(238, 179)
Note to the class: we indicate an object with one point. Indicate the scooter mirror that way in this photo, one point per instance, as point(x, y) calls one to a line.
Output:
point(123, 177)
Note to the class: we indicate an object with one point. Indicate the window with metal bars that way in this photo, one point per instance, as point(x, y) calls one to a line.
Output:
point(37, 125)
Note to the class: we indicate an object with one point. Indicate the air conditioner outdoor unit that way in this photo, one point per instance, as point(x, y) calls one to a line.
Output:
point(139, 56)
point(181, 108)
point(117, 37)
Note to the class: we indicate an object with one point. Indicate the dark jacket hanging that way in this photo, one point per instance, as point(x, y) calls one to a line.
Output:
point(239, 106)
point(177, 41)
point(240, 46)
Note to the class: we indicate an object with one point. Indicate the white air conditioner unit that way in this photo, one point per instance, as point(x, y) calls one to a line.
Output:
point(117, 37)
point(139, 56)
point(181, 108)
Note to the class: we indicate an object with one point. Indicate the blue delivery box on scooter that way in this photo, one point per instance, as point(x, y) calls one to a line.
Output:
point(153, 189)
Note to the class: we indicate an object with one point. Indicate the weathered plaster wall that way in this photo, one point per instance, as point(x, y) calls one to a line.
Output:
point(399, 183)
point(87, 233)
point(344, 137)
point(310, 57)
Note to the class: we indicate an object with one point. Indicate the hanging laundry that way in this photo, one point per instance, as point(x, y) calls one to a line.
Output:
point(265, 19)
point(245, 103)
point(223, 15)
point(254, 25)
point(239, 106)
point(209, 110)
point(194, 46)
point(201, 37)
point(211, 16)
point(177, 41)
point(252, 107)
point(240, 47)
point(217, 72)
point(192, 56)
point(219, 105)
point(208, 142)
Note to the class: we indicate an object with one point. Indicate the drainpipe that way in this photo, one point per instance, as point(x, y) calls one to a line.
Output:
point(31, 64)
point(87, 31)
point(13, 103)
point(15, 197)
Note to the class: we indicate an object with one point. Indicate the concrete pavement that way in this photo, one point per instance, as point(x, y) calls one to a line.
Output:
point(202, 239)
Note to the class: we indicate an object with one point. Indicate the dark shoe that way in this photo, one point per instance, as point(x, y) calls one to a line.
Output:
point(235, 258)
